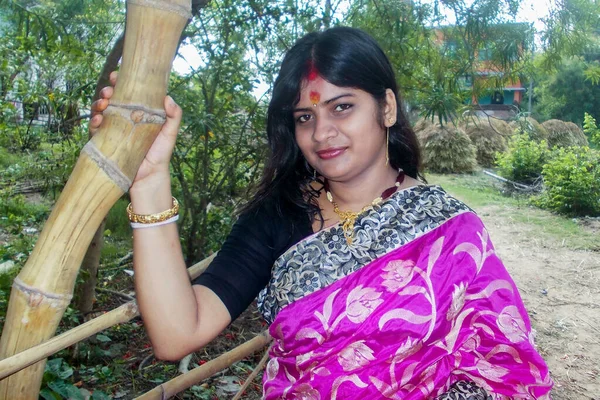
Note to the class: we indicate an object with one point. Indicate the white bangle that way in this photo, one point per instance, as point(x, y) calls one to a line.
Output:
point(137, 225)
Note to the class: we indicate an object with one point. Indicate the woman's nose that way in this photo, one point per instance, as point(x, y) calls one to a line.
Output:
point(324, 130)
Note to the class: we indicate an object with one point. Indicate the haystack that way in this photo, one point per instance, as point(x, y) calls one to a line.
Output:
point(489, 135)
point(560, 134)
point(447, 149)
point(579, 134)
point(531, 127)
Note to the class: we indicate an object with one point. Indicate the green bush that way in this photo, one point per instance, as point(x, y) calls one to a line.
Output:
point(489, 137)
point(524, 160)
point(447, 149)
point(591, 130)
point(572, 181)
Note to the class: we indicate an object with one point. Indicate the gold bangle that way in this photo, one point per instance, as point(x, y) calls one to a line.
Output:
point(153, 218)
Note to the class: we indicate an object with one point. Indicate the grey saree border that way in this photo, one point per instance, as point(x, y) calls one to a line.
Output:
point(324, 257)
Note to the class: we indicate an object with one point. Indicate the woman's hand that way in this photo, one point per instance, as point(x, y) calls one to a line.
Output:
point(155, 167)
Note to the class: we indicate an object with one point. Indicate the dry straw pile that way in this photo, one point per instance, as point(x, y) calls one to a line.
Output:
point(489, 136)
point(531, 127)
point(564, 134)
point(446, 149)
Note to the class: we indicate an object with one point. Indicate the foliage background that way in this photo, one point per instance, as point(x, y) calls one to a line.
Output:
point(52, 52)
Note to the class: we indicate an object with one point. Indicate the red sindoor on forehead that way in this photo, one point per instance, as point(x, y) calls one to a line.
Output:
point(312, 71)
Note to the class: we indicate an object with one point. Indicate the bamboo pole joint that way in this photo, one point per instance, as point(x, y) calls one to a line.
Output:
point(109, 167)
point(185, 12)
point(36, 296)
point(137, 113)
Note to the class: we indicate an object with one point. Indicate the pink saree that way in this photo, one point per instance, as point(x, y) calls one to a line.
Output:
point(418, 302)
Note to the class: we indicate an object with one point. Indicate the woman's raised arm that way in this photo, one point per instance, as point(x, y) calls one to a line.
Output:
point(179, 318)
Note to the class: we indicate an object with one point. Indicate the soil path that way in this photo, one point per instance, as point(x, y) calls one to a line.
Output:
point(561, 290)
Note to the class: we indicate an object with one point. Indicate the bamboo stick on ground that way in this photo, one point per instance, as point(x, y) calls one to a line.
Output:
point(32, 355)
point(182, 382)
point(119, 315)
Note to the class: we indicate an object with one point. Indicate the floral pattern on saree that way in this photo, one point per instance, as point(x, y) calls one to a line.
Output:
point(406, 323)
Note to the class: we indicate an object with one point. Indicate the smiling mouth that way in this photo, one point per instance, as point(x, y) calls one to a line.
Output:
point(331, 153)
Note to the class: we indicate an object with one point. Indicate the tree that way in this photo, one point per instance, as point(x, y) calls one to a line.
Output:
point(51, 54)
point(433, 60)
point(567, 94)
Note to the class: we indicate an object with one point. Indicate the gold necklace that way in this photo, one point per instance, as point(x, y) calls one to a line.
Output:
point(348, 218)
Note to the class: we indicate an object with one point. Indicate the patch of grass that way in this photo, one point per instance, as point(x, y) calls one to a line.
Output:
point(479, 191)
point(7, 158)
point(476, 190)
point(16, 212)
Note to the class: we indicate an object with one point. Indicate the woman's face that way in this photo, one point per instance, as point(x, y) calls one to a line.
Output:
point(338, 130)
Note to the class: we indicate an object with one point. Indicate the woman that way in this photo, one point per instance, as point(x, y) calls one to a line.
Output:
point(375, 285)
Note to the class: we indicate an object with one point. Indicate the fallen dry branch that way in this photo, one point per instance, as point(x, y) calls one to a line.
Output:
point(116, 293)
point(253, 375)
point(536, 187)
point(182, 382)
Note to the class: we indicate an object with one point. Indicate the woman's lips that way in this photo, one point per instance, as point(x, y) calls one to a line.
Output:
point(330, 153)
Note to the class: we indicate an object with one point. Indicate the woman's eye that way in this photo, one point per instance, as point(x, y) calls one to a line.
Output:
point(303, 118)
point(342, 107)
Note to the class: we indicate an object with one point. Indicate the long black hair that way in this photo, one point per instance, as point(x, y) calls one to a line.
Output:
point(345, 57)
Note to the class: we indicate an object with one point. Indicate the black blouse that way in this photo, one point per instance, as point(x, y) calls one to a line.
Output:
point(243, 265)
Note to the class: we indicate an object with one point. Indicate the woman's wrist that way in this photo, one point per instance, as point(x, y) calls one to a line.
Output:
point(151, 195)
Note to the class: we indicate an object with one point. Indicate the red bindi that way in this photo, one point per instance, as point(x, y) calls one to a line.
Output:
point(314, 97)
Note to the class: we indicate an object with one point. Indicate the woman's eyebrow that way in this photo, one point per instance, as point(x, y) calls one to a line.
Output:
point(326, 101)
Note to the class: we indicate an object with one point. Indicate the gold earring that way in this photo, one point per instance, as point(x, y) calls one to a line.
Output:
point(387, 147)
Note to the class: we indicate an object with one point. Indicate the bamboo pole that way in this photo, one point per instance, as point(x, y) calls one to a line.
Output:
point(104, 171)
point(119, 315)
point(182, 382)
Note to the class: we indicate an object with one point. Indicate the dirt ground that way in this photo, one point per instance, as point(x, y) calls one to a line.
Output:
point(561, 290)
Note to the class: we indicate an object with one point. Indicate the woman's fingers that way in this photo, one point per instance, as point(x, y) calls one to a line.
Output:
point(173, 111)
point(107, 92)
point(100, 105)
point(162, 148)
point(113, 78)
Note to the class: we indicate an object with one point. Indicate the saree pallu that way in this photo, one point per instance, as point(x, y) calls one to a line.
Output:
point(419, 302)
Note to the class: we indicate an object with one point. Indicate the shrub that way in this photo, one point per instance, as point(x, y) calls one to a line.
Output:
point(489, 137)
point(591, 129)
point(563, 134)
point(524, 160)
point(529, 126)
point(447, 149)
point(572, 181)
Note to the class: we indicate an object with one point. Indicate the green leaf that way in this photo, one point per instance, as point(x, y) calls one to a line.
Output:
point(66, 390)
point(103, 338)
point(99, 395)
point(47, 394)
